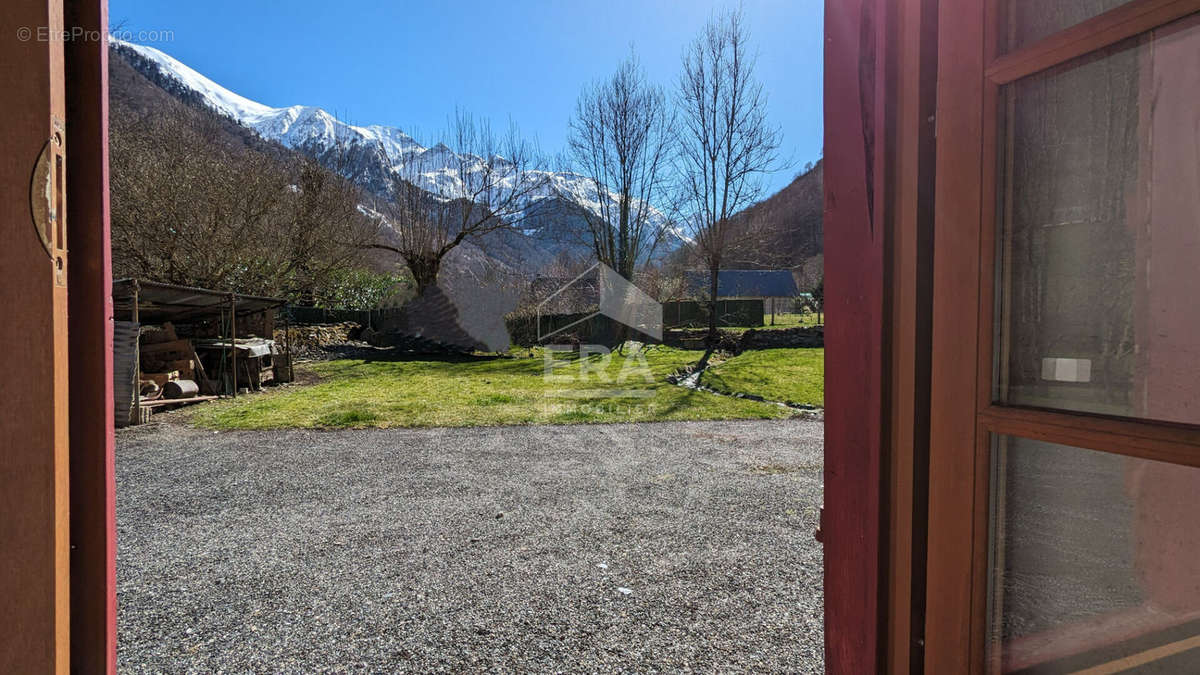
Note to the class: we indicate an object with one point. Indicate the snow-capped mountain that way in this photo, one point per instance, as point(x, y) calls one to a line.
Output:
point(371, 155)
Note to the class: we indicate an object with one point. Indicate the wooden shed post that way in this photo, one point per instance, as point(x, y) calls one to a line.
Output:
point(287, 341)
point(137, 359)
point(233, 340)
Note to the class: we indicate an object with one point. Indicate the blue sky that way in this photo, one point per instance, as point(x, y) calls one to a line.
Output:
point(410, 63)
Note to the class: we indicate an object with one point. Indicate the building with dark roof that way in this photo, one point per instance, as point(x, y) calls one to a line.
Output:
point(732, 284)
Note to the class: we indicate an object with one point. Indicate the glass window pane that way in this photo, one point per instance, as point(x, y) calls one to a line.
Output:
point(1095, 557)
point(1031, 20)
point(1098, 284)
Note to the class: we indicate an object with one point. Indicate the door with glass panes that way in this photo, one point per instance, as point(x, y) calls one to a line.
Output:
point(1064, 485)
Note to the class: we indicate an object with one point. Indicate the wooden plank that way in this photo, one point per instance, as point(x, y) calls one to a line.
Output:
point(177, 401)
point(1125, 21)
point(201, 376)
point(160, 378)
point(182, 346)
point(856, 162)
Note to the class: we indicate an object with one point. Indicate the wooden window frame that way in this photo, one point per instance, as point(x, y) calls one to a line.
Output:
point(970, 74)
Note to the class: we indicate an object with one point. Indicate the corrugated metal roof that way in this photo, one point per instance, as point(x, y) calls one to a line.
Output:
point(159, 302)
point(744, 284)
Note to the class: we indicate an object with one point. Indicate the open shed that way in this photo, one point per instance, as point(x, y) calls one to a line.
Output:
point(179, 344)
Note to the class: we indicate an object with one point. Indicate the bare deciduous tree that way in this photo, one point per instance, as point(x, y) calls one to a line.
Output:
point(726, 143)
point(441, 197)
point(193, 206)
point(623, 139)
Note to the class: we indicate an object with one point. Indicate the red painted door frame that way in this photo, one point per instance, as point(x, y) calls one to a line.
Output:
point(854, 225)
point(90, 323)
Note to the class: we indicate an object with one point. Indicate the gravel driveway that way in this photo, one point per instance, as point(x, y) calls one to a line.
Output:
point(581, 548)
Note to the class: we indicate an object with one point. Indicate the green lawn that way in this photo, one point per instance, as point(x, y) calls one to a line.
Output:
point(786, 375)
point(486, 391)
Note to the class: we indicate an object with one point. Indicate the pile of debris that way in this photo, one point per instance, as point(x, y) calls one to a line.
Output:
point(348, 340)
point(173, 370)
point(697, 338)
point(312, 342)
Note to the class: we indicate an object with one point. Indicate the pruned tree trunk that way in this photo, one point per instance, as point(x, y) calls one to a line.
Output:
point(424, 270)
point(493, 183)
point(713, 338)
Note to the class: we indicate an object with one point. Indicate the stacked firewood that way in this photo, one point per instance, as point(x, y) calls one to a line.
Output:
point(169, 365)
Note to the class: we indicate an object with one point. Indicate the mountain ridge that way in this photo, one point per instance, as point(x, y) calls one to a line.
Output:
point(551, 223)
point(374, 149)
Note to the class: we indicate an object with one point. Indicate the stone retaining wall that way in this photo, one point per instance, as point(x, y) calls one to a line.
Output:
point(750, 339)
point(786, 337)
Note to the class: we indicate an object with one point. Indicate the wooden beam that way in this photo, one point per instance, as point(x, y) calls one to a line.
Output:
point(183, 345)
point(233, 340)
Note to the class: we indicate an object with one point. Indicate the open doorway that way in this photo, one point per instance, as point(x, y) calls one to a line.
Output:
point(537, 417)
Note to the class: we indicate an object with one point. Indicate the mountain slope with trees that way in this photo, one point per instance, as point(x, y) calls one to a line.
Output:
point(198, 200)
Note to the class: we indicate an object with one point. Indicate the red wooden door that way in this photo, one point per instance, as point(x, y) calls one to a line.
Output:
point(34, 535)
